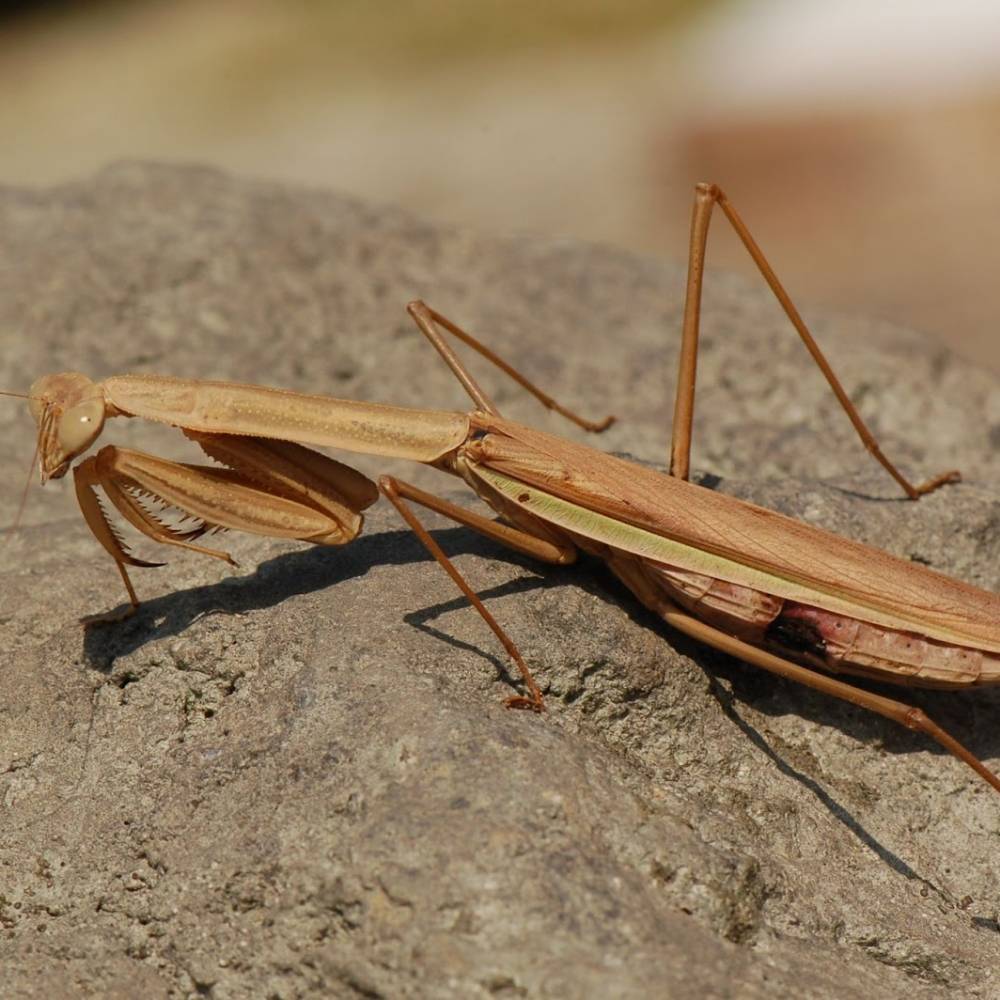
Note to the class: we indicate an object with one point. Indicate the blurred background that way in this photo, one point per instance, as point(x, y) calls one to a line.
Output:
point(859, 139)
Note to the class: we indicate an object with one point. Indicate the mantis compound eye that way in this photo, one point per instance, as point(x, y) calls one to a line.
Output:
point(80, 425)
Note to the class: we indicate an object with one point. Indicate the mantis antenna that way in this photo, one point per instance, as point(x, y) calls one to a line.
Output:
point(31, 468)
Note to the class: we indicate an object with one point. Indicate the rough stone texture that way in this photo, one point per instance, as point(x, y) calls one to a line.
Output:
point(298, 780)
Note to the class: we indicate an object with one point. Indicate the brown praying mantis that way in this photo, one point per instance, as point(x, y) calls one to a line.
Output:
point(781, 595)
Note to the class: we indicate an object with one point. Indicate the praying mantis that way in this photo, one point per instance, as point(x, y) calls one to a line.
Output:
point(786, 597)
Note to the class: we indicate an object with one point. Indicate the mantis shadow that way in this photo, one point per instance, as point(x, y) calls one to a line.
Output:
point(317, 568)
point(287, 575)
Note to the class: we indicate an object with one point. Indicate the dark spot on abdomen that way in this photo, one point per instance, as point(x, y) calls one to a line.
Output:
point(797, 634)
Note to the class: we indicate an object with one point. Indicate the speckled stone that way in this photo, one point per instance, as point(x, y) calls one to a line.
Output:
point(298, 780)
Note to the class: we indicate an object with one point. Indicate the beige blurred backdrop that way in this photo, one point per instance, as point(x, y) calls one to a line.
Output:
point(860, 140)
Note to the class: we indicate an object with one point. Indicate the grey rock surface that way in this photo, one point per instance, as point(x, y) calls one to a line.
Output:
point(298, 779)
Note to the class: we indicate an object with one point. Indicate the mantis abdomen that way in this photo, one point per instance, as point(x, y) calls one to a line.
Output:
point(817, 637)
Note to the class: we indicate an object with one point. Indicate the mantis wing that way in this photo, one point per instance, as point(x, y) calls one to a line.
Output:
point(669, 520)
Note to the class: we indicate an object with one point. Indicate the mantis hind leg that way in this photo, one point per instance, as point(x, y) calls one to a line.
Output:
point(707, 196)
point(550, 549)
point(429, 320)
point(897, 711)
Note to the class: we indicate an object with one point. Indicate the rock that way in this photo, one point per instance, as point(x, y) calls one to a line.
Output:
point(298, 779)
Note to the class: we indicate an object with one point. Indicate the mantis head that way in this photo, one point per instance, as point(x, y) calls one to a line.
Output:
point(69, 409)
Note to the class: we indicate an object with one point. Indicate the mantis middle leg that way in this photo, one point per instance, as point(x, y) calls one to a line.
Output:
point(547, 545)
point(529, 536)
point(428, 320)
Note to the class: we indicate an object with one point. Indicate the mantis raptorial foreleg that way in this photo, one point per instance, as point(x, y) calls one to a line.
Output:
point(706, 197)
point(273, 488)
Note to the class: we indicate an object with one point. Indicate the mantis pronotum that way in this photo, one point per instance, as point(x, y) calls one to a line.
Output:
point(750, 582)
